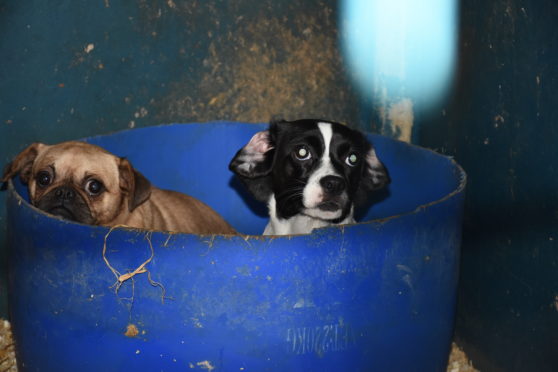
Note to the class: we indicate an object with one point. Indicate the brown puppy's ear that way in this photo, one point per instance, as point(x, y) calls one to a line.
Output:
point(136, 186)
point(22, 164)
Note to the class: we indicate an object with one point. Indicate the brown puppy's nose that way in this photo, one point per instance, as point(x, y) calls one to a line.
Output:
point(65, 193)
point(333, 185)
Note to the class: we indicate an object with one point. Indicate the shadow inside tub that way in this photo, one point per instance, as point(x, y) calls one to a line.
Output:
point(255, 206)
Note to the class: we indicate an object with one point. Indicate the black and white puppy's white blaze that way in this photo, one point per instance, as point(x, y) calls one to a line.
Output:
point(310, 172)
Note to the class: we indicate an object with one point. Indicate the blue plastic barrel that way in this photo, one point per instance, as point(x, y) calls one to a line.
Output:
point(375, 296)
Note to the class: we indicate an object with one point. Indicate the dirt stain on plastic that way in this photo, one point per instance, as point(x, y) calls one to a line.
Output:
point(131, 330)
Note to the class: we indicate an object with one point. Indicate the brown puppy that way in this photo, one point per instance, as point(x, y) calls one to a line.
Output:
point(85, 183)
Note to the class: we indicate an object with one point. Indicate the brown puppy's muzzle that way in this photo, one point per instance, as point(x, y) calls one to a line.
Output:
point(66, 202)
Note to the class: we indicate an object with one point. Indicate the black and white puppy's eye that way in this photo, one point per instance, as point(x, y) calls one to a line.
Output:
point(94, 187)
point(43, 179)
point(352, 159)
point(302, 153)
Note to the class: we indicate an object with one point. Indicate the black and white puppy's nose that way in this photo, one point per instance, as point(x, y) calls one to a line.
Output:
point(65, 193)
point(333, 185)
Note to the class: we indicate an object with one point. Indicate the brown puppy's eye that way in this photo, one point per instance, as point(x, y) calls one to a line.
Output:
point(94, 187)
point(43, 179)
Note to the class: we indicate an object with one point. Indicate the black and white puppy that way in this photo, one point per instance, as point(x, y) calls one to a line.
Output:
point(310, 172)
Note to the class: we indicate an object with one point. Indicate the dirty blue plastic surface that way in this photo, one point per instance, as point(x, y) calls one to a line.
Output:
point(378, 295)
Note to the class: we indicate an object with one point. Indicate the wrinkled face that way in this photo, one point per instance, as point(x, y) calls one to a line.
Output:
point(77, 182)
point(312, 167)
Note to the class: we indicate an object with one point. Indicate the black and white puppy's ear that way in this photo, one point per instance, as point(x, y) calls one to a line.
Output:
point(253, 164)
point(254, 160)
point(374, 176)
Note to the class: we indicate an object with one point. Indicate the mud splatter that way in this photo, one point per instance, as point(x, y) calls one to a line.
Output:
point(206, 364)
point(131, 331)
point(268, 68)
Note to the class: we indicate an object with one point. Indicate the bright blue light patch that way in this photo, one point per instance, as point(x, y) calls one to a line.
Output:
point(401, 48)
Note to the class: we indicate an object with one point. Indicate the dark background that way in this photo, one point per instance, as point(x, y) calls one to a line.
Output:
point(71, 69)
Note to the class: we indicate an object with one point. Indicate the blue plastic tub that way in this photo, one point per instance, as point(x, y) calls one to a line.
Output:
point(374, 296)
